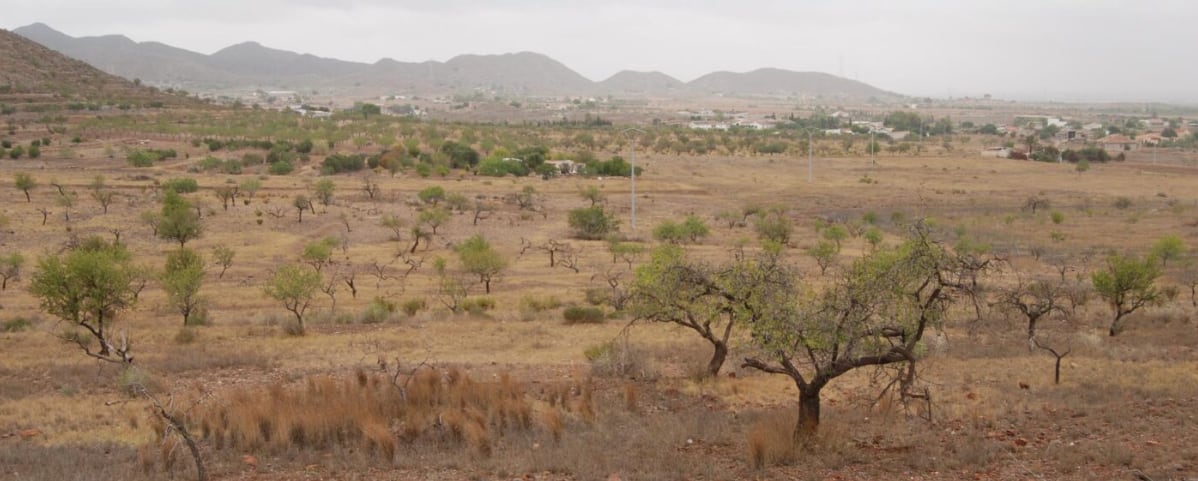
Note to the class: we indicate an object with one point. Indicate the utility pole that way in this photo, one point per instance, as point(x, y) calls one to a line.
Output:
point(873, 146)
point(632, 174)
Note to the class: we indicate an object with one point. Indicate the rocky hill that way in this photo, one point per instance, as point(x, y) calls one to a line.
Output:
point(32, 76)
point(252, 65)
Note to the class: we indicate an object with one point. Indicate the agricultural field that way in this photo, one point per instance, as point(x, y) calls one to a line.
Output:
point(390, 314)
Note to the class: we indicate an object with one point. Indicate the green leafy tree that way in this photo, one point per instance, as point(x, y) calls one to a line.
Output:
point(433, 217)
point(320, 253)
point(10, 268)
point(774, 226)
point(592, 194)
point(179, 221)
point(87, 287)
point(670, 232)
point(324, 191)
point(591, 222)
point(824, 254)
point(1127, 283)
point(874, 314)
point(710, 300)
point(629, 252)
point(101, 193)
point(1082, 166)
point(301, 203)
point(25, 183)
point(250, 187)
point(396, 224)
point(223, 255)
point(479, 258)
point(181, 279)
point(836, 233)
point(431, 195)
point(1168, 248)
point(294, 285)
point(694, 228)
point(873, 236)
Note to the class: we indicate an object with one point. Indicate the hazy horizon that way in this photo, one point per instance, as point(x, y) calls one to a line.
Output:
point(1065, 50)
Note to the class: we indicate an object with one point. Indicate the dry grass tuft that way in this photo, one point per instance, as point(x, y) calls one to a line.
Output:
point(631, 397)
point(771, 441)
point(368, 412)
point(552, 418)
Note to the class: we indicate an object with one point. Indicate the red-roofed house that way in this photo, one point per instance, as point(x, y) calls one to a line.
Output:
point(1117, 143)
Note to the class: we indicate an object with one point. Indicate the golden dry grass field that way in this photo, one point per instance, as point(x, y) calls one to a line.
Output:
point(1126, 404)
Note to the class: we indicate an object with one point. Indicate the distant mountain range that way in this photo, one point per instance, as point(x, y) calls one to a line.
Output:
point(33, 76)
point(252, 65)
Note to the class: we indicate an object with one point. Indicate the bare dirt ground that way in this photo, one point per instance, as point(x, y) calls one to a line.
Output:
point(1125, 407)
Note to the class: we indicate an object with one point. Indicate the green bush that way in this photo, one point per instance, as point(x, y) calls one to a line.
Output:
point(413, 306)
point(478, 305)
point(182, 185)
point(338, 163)
point(146, 158)
point(16, 325)
point(133, 380)
point(583, 315)
point(592, 222)
point(379, 310)
point(540, 304)
point(500, 168)
point(281, 167)
point(185, 335)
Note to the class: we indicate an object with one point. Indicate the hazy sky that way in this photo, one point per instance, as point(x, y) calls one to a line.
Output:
point(1024, 49)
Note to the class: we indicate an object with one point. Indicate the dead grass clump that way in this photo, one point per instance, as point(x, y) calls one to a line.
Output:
point(552, 419)
point(199, 357)
point(620, 358)
point(368, 412)
point(72, 462)
point(771, 441)
point(631, 397)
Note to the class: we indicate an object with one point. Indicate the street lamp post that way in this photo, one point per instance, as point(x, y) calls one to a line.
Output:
point(632, 174)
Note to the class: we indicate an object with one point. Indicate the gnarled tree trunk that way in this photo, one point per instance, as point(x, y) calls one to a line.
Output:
point(809, 402)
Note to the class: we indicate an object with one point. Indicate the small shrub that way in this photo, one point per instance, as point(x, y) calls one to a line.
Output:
point(379, 310)
point(293, 329)
point(583, 315)
point(478, 305)
point(133, 380)
point(411, 307)
point(597, 296)
point(1057, 217)
point(771, 441)
point(1122, 203)
point(182, 185)
point(185, 336)
point(282, 167)
point(619, 359)
point(16, 325)
point(541, 304)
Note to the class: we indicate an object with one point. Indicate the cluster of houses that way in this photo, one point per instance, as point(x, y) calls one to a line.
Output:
point(1151, 133)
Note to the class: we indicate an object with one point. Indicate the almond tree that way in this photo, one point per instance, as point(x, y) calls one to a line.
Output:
point(709, 300)
point(479, 258)
point(24, 182)
point(294, 285)
point(875, 314)
point(87, 287)
point(181, 279)
point(1128, 283)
